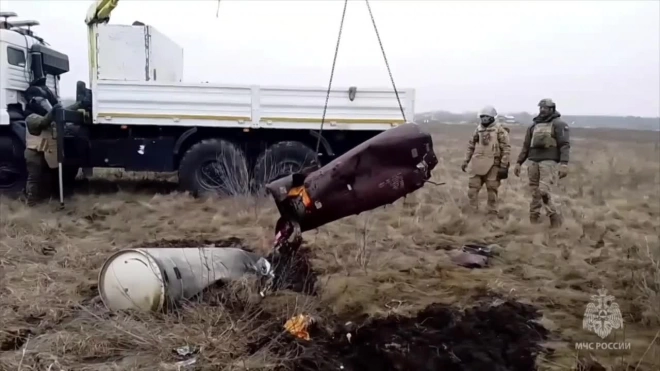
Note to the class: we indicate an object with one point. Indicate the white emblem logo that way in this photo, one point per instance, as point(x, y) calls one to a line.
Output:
point(602, 314)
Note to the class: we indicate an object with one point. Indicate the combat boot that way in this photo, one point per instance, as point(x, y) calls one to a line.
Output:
point(555, 221)
point(30, 199)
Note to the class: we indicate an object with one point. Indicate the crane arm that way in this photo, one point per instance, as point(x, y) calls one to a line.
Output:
point(99, 11)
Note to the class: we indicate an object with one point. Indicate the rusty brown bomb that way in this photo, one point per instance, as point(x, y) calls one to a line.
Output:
point(377, 172)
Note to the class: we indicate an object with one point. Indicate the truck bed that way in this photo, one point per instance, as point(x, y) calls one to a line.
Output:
point(187, 104)
point(136, 79)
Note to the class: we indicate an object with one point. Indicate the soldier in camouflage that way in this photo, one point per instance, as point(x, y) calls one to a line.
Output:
point(547, 147)
point(41, 156)
point(488, 150)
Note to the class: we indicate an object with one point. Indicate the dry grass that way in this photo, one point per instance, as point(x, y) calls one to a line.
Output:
point(395, 259)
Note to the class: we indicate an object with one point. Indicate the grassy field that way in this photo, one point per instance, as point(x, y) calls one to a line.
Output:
point(388, 264)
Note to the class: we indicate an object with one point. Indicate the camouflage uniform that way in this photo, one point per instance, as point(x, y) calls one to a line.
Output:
point(488, 150)
point(40, 157)
point(547, 147)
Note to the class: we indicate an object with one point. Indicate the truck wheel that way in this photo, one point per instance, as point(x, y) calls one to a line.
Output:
point(13, 172)
point(214, 166)
point(282, 159)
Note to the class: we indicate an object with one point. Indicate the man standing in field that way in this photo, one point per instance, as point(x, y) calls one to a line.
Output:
point(41, 152)
point(488, 150)
point(546, 146)
point(40, 157)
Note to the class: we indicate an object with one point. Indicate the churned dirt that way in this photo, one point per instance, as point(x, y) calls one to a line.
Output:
point(385, 277)
point(496, 336)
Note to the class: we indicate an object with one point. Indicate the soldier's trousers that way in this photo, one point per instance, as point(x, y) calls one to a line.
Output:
point(542, 178)
point(41, 179)
point(492, 185)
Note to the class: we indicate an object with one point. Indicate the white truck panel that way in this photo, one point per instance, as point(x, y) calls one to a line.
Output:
point(184, 104)
point(18, 79)
point(137, 53)
point(165, 58)
point(306, 104)
point(138, 82)
point(121, 53)
point(142, 103)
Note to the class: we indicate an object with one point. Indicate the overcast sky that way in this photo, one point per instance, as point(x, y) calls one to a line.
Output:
point(591, 57)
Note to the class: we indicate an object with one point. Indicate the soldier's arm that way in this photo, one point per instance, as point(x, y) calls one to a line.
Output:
point(33, 124)
point(505, 146)
point(524, 151)
point(470, 147)
point(563, 140)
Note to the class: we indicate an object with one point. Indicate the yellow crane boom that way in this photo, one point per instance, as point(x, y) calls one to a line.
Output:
point(99, 11)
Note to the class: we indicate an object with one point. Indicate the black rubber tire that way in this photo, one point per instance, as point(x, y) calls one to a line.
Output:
point(218, 159)
point(13, 172)
point(282, 159)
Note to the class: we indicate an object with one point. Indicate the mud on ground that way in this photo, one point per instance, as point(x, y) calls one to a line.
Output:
point(385, 271)
point(500, 335)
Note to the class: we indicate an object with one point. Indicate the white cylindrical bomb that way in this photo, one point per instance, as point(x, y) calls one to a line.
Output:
point(149, 278)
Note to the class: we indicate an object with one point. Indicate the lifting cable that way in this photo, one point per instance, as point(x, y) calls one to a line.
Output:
point(387, 64)
point(332, 74)
point(334, 61)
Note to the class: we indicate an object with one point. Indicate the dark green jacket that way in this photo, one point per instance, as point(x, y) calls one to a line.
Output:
point(560, 133)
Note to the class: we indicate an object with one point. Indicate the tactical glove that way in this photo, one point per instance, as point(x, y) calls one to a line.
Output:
point(563, 171)
point(464, 166)
point(503, 173)
point(516, 170)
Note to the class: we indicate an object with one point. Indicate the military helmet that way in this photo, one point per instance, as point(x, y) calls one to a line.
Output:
point(487, 111)
point(547, 102)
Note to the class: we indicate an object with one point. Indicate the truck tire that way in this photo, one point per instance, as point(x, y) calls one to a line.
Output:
point(282, 159)
point(214, 166)
point(13, 172)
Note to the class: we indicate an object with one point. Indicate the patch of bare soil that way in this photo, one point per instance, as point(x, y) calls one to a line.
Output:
point(488, 337)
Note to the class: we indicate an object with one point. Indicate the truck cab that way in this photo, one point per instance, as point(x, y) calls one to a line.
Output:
point(24, 59)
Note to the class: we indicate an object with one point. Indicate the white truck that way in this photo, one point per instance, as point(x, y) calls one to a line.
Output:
point(141, 116)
